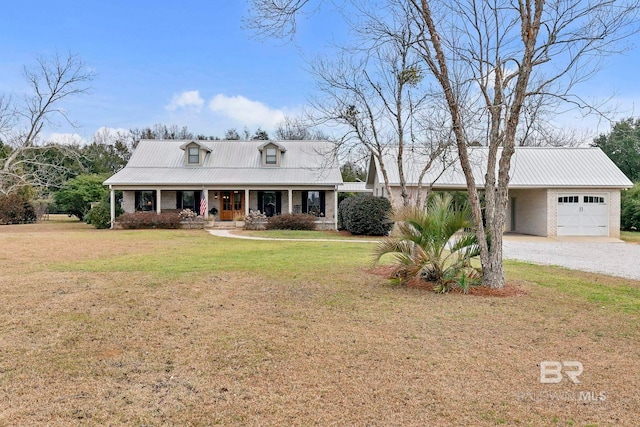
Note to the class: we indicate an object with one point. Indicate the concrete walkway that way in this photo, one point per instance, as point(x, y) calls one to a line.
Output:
point(230, 233)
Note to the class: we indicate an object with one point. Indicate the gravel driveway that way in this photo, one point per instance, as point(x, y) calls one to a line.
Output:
point(605, 256)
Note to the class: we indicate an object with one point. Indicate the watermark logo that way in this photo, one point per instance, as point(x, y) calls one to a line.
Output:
point(551, 371)
point(554, 372)
point(584, 396)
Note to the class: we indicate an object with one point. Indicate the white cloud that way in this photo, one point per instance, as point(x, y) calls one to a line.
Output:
point(188, 100)
point(65, 139)
point(245, 111)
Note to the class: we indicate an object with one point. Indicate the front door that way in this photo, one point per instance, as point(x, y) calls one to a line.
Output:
point(232, 205)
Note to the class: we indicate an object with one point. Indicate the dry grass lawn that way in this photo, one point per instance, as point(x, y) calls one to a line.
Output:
point(183, 328)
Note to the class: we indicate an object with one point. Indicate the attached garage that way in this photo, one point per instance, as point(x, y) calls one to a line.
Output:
point(583, 214)
point(552, 191)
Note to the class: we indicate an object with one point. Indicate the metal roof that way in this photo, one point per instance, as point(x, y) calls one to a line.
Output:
point(354, 187)
point(162, 162)
point(530, 167)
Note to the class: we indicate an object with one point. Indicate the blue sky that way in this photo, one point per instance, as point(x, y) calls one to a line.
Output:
point(191, 63)
point(162, 62)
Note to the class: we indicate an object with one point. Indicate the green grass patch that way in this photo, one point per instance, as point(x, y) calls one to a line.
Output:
point(174, 253)
point(630, 236)
point(615, 293)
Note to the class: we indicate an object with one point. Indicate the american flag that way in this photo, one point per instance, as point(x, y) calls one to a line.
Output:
point(203, 203)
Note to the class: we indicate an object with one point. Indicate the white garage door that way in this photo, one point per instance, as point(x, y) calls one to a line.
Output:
point(583, 215)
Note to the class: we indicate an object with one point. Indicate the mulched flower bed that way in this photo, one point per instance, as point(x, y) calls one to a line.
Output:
point(509, 290)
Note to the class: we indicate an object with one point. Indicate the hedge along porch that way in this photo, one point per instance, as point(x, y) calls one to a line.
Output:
point(234, 176)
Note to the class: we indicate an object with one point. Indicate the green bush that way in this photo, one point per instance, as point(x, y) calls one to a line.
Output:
point(149, 220)
point(16, 209)
point(291, 222)
point(365, 214)
point(630, 208)
point(99, 216)
point(78, 193)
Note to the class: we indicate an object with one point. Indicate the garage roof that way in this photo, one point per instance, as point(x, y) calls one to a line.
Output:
point(530, 168)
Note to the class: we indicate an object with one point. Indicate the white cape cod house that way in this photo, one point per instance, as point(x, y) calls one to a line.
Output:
point(552, 191)
point(226, 179)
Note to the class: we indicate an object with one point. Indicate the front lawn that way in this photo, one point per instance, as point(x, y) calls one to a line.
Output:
point(178, 327)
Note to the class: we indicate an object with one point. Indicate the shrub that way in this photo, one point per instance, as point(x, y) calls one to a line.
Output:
point(78, 193)
point(291, 222)
point(99, 216)
point(16, 209)
point(434, 245)
point(630, 208)
point(365, 214)
point(149, 220)
point(256, 220)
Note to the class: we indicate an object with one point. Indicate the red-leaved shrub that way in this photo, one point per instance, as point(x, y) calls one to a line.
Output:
point(292, 222)
point(149, 220)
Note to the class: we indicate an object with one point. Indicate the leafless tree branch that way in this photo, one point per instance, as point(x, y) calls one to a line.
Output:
point(51, 80)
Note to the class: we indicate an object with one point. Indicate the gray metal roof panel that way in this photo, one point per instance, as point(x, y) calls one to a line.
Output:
point(161, 162)
point(354, 187)
point(530, 167)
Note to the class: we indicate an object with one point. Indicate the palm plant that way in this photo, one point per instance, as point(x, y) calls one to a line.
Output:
point(433, 244)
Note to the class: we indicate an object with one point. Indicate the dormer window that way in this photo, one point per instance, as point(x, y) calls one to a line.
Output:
point(271, 158)
point(271, 153)
point(194, 155)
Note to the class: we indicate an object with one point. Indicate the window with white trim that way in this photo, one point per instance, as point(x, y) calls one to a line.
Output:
point(194, 155)
point(271, 156)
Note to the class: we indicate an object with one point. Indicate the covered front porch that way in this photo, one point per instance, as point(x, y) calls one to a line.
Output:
point(229, 204)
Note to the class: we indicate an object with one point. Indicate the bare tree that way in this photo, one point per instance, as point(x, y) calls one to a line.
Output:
point(275, 18)
point(296, 129)
point(536, 127)
point(160, 131)
point(376, 92)
point(30, 163)
point(490, 59)
point(231, 135)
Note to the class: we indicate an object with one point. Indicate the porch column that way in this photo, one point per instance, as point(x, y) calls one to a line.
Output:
point(290, 204)
point(112, 205)
point(335, 208)
point(158, 201)
point(246, 202)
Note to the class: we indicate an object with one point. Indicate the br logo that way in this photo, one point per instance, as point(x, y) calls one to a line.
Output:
point(551, 371)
